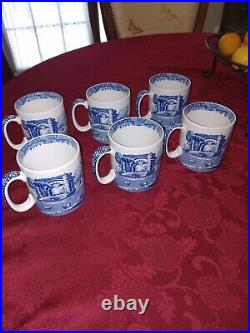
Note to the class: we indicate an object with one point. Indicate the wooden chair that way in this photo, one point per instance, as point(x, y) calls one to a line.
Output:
point(128, 19)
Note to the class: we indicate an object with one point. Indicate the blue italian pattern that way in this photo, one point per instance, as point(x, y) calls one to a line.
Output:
point(167, 106)
point(138, 98)
point(34, 128)
point(6, 119)
point(107, 86)
point(213, 107)
point(167, 131)
point(47, 139)
point(99, 151)
point(167, 110)
point(101, 120)
point(36, 96)
point(170, 77)
point(6, 178)
point(136, 121)
point(136, 173)
point(202, 152)
point(58, 195)
point(77, 101)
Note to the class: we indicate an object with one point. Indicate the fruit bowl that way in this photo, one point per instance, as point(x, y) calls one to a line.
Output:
point(212, 45)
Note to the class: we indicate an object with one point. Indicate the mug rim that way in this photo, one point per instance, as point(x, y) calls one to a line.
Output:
point(18, 109)
point(163, 89)
point(63, 166)
point(206, 127)
point(112, 141)
point(110, 102)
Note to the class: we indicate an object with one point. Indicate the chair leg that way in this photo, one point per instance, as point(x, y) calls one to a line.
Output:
point(208, 73)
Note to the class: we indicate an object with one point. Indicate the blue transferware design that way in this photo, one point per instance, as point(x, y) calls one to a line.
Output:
point(171, 77)
point(78, 100)
point(34, 128)
point(213, 107)
point(167, 110)
point(43, 140)
point(136, 173)
point(58, 195)
point(107, 86)
point(138, 98)
point(62, 124)
point(167, 106)
point(99, 151)
point(101, 120)
point(6, 119)
point(204, 145)
point(136, 121)
point(167, 131)
point(35, 96)
point(6, 178)
point(202, 152)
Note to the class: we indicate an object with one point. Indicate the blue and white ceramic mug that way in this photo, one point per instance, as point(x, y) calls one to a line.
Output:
point(52, 169)
point(205, 132)
point(168, 94)
point(135, 147)
point(106, 103)
point(38, 113)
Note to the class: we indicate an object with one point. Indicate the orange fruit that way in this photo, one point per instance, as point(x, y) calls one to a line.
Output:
point(229, 43)
point(240, 56)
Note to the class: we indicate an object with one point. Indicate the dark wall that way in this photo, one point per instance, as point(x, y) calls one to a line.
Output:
point(6, 71)
point(235, 17)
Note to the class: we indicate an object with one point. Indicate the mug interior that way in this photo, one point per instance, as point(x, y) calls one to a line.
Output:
point(170, 81)
point(136, 132)
point(38, 102)
point(208, 114)
point(107, 92)
point(47, 152)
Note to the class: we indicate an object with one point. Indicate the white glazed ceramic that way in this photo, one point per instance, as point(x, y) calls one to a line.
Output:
point(135, 147)
point(168, 94)
point(106, 103)
point(51, 166)
point(38, 113)
point(205, 132)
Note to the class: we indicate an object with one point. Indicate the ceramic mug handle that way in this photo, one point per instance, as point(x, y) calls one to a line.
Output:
point(139, 99)
point(178, 151)
point(6, 121)
point(76, 103)
point(98, 154)
point(9, 178)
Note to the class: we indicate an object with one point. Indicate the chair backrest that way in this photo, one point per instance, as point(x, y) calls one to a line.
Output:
point(128, 19)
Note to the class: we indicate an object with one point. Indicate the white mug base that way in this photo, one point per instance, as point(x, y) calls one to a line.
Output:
point(199, 169)
point(63, 208)
point(199, 164)
point(138, 184)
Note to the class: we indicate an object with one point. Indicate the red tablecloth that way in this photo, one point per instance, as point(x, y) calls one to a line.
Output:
point(183, 244)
